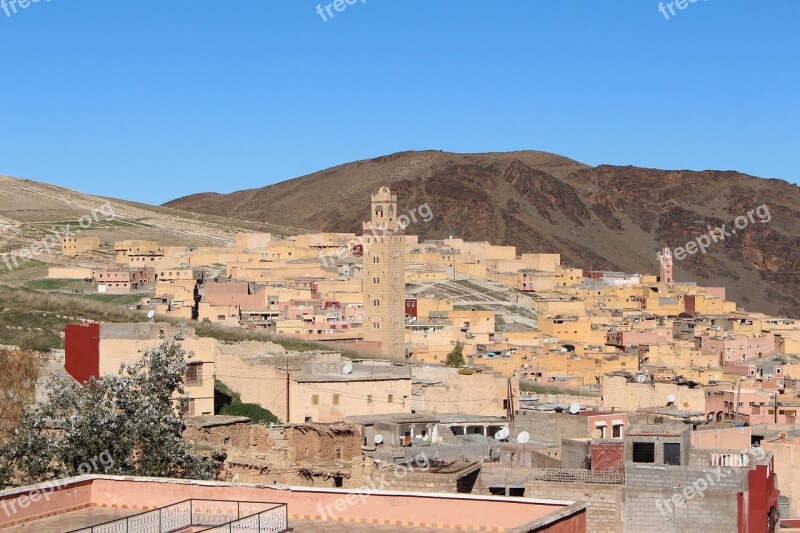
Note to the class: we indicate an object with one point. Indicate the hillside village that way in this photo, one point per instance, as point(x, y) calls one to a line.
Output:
point(516, 375)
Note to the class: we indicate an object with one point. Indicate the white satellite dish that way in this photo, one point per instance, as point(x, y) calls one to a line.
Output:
point(151, 314)
point(523, 437)
point(641, 378)
point(575, 408)
point(671, 398)
point(502, 434)
point(378, 439)
point(348, 369)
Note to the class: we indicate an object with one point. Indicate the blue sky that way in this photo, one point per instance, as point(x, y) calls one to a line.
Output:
point(151, 100)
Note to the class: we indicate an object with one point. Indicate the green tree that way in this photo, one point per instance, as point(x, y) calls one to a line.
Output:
point(133, 417)
point(456, 357)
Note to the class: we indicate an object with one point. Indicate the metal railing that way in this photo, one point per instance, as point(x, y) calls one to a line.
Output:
point(214, 515)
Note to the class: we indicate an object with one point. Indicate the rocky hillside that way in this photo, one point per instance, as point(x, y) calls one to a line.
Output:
point(604, 217)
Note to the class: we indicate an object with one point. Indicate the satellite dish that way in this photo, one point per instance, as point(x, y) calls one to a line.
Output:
point(378, 439)
point(575, 408)
point(597, 434)
point(502, 434)
point(671, 398)
point(348, 369)
point(151, 314)
point(641, 378)
point(523, 437)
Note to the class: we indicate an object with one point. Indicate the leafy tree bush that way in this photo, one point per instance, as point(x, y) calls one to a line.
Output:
point(134, 417)
point(456, 356)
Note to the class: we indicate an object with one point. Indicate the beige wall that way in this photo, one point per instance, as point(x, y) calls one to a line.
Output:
point(115, 352)
point(336, 400)
point(623, 396)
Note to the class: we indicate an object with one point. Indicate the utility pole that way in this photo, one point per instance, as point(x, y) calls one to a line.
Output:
point(288, 380)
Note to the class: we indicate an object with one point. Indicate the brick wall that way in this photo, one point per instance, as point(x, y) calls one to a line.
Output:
point(647, 488)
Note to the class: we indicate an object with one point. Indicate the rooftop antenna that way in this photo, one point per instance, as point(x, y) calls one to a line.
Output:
point(150, 315)
point(670, 400)
point(524, 437)
point(348, 369)
point(575, 408)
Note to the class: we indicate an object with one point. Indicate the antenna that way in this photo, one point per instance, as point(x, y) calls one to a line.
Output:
point(575, 408)
point(502, 434)
point(670, 399)
point(378, 439)
point(348, 369)
point(151, 314)
point(524, 437)
point(641, 378)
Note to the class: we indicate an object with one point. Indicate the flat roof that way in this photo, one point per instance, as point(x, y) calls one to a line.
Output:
point(396, 418)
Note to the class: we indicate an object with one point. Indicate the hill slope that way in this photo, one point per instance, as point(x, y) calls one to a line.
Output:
point(604, 217)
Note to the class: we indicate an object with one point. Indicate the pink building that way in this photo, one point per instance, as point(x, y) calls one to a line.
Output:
point(737, 347)
point(247, 296)
point(755, 407)
point(623, 339)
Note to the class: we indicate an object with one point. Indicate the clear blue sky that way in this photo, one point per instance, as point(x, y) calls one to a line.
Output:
point(151, 100)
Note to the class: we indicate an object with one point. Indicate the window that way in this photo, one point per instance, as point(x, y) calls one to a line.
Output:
point(335, 399)
point(369, 398)
point(644, 452)
point(194, 374)
point(391, 398)
point(672, 453)
point(315, 399)
point(339, 454)
point(616, 431)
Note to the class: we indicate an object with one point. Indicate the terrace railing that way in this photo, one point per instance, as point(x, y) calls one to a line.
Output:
point(201, 515)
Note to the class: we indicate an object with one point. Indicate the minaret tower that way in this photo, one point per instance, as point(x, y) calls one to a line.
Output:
point(665, 258)
point(384, 276)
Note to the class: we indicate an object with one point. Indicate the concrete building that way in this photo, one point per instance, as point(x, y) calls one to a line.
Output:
point(73, 245)
point(94, 350)
point(384, 276)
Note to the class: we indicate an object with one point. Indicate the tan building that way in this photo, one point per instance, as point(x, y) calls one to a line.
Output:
point(384, 276)
point(72, 246)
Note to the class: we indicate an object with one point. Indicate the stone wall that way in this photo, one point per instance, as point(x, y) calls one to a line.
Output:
point(604, 514)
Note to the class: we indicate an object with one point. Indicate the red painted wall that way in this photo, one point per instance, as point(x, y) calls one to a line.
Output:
point(82, 351)
point(608, 456)
point(762, 495)
point(411, 307)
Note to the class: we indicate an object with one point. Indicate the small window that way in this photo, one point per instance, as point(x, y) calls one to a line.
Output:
point(335, 399)
point(391, 398)
point(672, 453)
point(369, 398)
point(315, 399)
point(339, 454)
point(194, 374)
point(644, 452)
point(616, 431)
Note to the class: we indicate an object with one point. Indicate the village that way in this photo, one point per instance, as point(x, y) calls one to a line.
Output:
point(513, 375)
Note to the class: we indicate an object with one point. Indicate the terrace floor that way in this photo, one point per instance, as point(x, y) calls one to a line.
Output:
point(90, 516)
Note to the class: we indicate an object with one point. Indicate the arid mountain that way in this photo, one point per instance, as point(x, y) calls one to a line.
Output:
point(606, 217)
point(29, 210)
